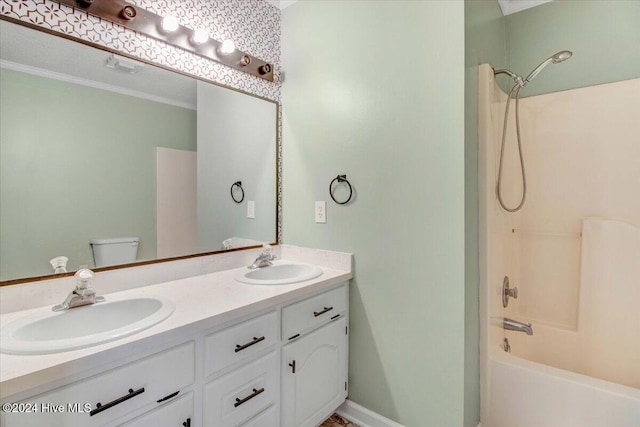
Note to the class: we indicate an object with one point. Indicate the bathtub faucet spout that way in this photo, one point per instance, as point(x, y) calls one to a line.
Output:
point(514, 325)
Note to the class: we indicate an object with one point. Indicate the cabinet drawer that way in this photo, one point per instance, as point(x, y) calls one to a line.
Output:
point(150, 379)
point(239, 343)
point(235, 398)
point(266, 419)
point(308, 314)
point(175, 413)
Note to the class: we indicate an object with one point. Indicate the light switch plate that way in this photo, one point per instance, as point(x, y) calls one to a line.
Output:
point(251, 209)
point(321, 212)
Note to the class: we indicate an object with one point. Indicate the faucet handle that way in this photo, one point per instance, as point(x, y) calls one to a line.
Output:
point(83, 277)
point(508, 292)
point(266, 251)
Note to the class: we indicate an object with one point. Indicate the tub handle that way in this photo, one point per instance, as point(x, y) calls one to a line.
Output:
point(508, 292)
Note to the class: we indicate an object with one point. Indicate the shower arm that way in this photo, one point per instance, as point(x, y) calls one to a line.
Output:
point(516, 78)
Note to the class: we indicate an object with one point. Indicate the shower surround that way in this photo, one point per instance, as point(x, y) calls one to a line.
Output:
point(573, 252)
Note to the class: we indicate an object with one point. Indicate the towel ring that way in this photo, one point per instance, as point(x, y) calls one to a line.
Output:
point(339, 179)
point(239, 185)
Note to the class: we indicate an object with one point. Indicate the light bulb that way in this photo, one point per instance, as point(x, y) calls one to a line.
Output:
point(170, 23)
point(200, 36)
point(227, 47)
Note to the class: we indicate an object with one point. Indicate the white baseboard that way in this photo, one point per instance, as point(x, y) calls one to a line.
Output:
point(363, 417)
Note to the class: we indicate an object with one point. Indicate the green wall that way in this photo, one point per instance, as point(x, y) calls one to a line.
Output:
point(484, 43)
point(604, 37)
point(236, 142)
point(375, 90)
point(78, 163)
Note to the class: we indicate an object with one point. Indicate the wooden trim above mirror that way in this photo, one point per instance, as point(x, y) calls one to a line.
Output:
point(117, 267)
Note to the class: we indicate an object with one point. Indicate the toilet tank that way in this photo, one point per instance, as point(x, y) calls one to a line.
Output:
point(115, 250)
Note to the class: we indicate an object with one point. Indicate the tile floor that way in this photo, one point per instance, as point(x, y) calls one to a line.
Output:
point(336, 420)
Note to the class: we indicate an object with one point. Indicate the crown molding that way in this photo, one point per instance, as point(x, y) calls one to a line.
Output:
point(512, 6)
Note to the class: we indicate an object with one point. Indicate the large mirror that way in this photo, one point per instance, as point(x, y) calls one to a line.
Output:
point(107, 161)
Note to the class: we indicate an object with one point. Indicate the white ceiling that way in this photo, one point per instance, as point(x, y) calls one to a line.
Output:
point(512, 6)
point(39, 53)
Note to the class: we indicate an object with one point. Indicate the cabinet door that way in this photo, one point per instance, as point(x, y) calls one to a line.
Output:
point(314, 375)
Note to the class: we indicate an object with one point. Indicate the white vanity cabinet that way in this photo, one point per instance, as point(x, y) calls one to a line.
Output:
point(234, 374)
point(111, 395)
point(314, 365)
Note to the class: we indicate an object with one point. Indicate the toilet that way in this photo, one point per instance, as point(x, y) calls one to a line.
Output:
point(115, 250)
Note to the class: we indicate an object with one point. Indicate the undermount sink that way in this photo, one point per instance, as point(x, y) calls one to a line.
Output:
point(279, 274)
point(52, 332)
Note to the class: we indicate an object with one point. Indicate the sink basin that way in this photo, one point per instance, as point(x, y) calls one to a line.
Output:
point(279, 274)
point(51, 332)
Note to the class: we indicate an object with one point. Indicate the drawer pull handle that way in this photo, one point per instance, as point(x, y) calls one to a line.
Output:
point(100, 407)
point(187, 423)
point(168, 397)
point(249, 344)
point(251, 396)
point(320, 313)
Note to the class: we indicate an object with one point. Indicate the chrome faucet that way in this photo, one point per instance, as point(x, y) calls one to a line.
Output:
point(264, 259)
point(514, 325)
point(83, 294)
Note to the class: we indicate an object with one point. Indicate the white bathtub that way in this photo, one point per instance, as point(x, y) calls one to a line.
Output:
point(529, 394)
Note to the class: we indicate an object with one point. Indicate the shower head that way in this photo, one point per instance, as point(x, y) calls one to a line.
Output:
point(555, 59)
point(561, 56)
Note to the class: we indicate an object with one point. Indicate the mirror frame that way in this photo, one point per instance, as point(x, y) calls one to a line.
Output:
point(278, 160)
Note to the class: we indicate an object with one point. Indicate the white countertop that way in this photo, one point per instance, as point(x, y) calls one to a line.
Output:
point(201, 302)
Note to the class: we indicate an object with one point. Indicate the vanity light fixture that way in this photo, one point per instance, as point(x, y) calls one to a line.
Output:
point(200, 35)
point(128, 13)
point(170, 24)
point(245, 60)
point(228, 46)
point(168, 30)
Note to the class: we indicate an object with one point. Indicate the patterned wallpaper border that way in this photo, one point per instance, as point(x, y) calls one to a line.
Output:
point(254, 25)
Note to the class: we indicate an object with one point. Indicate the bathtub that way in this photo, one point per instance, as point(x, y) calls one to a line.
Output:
point(530, 394)
point(583, 377)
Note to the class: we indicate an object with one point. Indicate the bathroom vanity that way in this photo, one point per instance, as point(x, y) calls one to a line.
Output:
point(231, 354)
